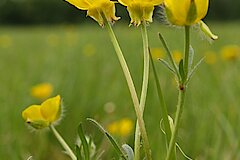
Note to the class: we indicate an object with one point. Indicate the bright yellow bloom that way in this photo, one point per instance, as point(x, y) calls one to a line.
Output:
point(42, 91)
point(97, 9)
point(230, 52)
point(186, 12)
point(41, 116)
point(140, 10)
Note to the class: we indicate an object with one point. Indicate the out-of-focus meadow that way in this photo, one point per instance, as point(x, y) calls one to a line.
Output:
point(80, 63)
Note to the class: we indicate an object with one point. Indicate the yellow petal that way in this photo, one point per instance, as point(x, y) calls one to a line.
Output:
point(32, 115)
point(154, 2)
point(177, 11)
point(202, 8)
point(80, 4)
point(125, 2)
point(50, 109)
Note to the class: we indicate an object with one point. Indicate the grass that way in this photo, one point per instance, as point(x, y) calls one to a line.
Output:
point(80, 62)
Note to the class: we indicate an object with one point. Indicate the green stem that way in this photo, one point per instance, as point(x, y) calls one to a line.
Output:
point(181, 98)
point(132, 90)
point(137, 143)
point(186, 56)
point(162, 105)
point(63, 143)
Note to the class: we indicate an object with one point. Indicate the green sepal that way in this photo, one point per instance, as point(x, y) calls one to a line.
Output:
point(192, 13)
point(39, 124)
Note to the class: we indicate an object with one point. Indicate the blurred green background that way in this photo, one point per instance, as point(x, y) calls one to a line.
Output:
point(51, 41)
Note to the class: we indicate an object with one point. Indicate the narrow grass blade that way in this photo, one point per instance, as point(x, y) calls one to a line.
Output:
point(84, 142)
point(110, 138)
point(180, 149)
point(78, 153)
point(162, 103)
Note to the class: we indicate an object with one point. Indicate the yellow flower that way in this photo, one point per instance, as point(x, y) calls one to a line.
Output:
point(97, 9)
point(230, 52)
point(177, 56)
point(41, 116)
point(42, 91)
point(157, 53)
point(140, 10)
point(186, 12)
point(210, 57)
point(122, 127)
point(125, 127)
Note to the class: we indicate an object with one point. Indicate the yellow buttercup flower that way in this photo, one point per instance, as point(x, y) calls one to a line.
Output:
point(125, 127)
point(157, 53)
point(42, 91)
point(186, 12)
point(140, 10)
point(97, 9)
point(41, 116)
point(121, 128)
point(230, 52)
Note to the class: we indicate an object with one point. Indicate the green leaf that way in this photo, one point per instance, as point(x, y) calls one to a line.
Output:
point(84, 142)
point(191, 56)
point(181, 70)
point(129, 151)
point(166, 64)
point(78, 153)
point(110, 138)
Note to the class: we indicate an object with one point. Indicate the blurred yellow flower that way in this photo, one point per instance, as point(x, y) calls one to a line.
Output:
point(186, 12)
point(121, 128)
point(96, 9)
point(177, 56)
point(210, 57)
point(140, 10)
point(42, 91)
point(89, 50)
point(157, 53)
point(125, 127)
point(52, 40)
point(5, 41)
point(113, 128)
point(230, 52)
point(41, 116)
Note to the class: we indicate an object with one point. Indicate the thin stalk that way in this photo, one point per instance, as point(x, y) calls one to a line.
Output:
point(181, 98)
point(63, 143)
point(186, 56)
point(169, 55)
point(162, 105)
point(132, 90)
point(137, 142)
